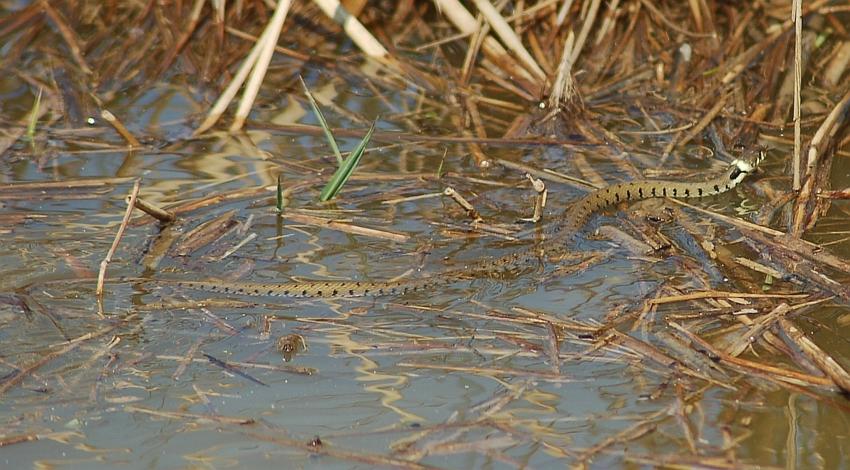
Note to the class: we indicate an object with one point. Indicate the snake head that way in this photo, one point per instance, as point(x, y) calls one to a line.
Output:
point(741, 167)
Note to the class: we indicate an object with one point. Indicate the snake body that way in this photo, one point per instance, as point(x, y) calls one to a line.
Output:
point(571, 223)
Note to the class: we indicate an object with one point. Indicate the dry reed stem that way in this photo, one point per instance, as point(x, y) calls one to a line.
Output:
point(837, 66)
point(820, 141)
point(463, 203)
point(722, 295)
point(504, 31)
point(180, 415)
point(232, 88)
point(460, 17)
point(101, 275)
point(797, 18)
point(188, 30)
point(279, 49)
point(245, 365)
point(758, 368)
point(747, 338)
point(824, 361)
point(353, 28)
point(700, 126)
point(267, 42)
point(205, 233)
point(236, 247)
point(669, 23)
point(495, 371)
point(345, 227)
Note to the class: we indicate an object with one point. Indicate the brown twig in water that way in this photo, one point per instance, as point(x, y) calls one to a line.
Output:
point(163, 215)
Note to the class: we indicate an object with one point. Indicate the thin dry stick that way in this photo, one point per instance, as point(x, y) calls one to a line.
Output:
point(796, 14)
point(826, 130)
point(703, 122)
point(265, 56)
point(101, 275)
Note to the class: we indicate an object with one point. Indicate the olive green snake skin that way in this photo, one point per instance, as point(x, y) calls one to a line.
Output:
point(572, 221)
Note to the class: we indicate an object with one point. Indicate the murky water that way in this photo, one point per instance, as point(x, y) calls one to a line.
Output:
point(155, 377)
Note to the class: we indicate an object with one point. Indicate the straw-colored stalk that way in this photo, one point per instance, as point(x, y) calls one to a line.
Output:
point(353, 28)
point(796, 16)
point(563, 89)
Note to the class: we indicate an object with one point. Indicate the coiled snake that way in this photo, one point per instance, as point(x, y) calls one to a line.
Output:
point(571, 223)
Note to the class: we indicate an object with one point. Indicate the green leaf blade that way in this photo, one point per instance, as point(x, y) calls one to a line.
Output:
point(347, 167)
point(328, 134)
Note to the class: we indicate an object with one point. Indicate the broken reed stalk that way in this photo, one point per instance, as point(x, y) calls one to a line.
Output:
point(163, 215)
point(101, 275)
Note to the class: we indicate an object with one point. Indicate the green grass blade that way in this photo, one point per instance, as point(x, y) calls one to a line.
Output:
point(33, 118)
point(279, 196)
point(440, 168)
point(347, 167)
point(328, 134)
